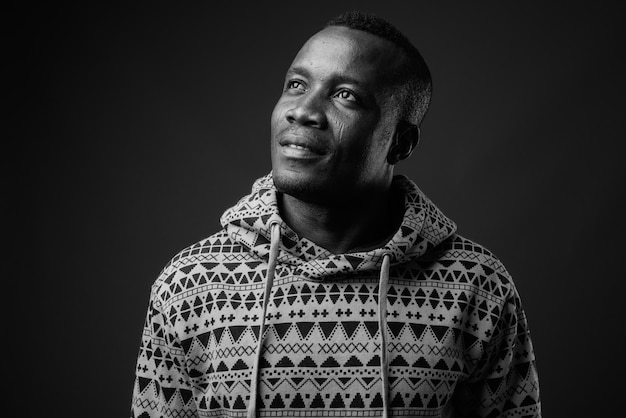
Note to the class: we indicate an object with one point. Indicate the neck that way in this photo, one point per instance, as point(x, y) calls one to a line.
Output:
point(343, 227)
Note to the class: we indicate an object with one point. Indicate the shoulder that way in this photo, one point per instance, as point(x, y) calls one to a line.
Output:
point(193, 266)
point(468, 264)
point(206, 249)
point(466, 251)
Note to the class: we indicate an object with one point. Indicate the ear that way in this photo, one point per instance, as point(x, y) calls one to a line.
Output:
point(405, 139)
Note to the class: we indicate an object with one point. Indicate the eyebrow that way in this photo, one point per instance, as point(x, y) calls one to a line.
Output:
point(341, 78)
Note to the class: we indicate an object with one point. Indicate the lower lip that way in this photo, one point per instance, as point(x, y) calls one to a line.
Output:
point(299, 153)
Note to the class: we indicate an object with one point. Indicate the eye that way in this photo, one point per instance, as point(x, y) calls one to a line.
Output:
point(346, 95)
point(295, 85)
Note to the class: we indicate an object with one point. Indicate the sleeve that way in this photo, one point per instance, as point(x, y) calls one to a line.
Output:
point(504, 382)
point(162, 386)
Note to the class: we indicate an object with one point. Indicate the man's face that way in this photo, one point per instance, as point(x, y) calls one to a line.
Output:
point(332, 126)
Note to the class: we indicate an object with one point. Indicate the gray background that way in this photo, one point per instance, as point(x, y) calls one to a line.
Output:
point(139, 125)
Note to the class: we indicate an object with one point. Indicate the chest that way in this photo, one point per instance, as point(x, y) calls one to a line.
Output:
point(321, 345)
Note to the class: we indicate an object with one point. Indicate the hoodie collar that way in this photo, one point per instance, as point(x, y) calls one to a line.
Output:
point(249, 224)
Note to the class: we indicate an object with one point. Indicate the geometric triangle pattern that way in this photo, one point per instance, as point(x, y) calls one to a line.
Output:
point(457, 335)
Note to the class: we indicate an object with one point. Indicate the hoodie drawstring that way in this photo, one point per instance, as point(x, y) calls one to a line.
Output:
point(271, 270)
point(382, 326)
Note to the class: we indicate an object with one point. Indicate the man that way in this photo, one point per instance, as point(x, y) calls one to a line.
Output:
point(335, 288)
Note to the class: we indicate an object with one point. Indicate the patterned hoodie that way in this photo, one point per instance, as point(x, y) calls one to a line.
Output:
point(428, 324)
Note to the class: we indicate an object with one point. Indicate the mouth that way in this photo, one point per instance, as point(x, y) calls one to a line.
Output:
point(299, 152)
point(301, 146)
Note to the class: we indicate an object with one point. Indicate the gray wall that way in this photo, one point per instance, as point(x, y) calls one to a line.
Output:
point(139, 126)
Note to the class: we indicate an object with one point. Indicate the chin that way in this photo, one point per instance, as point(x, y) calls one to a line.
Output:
point(300, 185)
point(291, 182)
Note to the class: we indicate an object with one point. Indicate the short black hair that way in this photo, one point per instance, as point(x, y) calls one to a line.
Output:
point(414, 77)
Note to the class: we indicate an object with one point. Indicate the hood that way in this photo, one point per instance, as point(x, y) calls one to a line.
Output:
point(249, 224)
point(255, 223)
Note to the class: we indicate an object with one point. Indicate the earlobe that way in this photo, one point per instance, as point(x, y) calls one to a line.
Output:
point(405, 140)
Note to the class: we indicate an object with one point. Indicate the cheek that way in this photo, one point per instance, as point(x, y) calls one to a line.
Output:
point(278, 116)
point(339, 128)
point(347, 128)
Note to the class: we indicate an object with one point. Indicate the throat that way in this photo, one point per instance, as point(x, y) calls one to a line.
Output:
point(359, 226)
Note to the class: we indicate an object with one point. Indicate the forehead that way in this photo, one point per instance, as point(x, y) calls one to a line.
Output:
point(343, 52)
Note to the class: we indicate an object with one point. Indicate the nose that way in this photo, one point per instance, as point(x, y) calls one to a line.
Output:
point(307, 110)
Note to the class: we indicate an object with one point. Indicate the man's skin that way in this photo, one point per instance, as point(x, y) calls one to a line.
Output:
point(336, 136)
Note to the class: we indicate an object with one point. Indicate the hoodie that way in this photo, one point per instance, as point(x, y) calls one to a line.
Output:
point(258, 321)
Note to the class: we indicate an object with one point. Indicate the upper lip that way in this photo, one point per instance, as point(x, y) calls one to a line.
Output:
point(302, 139)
